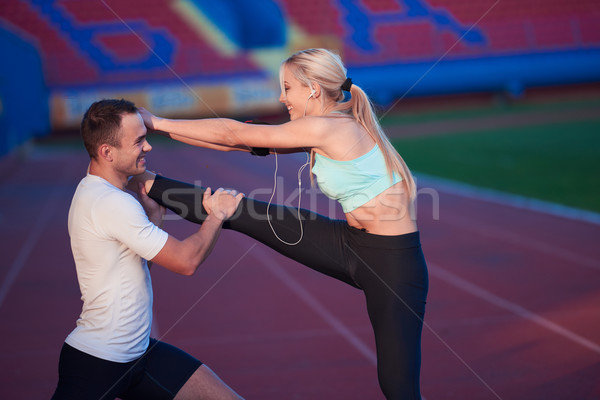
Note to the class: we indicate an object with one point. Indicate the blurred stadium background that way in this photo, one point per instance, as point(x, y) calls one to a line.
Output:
point(206, 58)
point(502, 94)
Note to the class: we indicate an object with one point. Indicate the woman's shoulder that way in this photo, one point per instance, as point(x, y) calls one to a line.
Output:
point(321, 125)
point(344, 138)
point(331, 121)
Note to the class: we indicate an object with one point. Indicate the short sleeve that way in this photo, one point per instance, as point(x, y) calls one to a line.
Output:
point(121, 217)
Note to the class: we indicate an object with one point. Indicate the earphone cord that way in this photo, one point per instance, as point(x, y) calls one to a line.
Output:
point(299, 188)
point(299, 199)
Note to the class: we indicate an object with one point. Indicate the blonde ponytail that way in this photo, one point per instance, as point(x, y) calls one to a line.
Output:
point(363, 111)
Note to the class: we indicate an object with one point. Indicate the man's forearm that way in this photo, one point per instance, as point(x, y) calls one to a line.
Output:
point(206, 238)
point(185, 256)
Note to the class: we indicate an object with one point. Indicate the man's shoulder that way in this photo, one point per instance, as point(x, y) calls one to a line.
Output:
point(99, 193)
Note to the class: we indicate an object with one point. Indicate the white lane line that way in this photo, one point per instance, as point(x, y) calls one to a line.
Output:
point(315, 305)
point(30, 243)
point(516, 309)
point(506, 199)
point(527, 242)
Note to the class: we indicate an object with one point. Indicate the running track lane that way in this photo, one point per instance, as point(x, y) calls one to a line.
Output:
point(512, 311)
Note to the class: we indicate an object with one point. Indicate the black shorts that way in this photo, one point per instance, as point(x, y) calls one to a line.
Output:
point(159, 374)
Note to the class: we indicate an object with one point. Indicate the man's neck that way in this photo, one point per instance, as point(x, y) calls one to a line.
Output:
point(108, 174)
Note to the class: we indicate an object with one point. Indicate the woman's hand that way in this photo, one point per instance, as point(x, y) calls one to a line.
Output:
point(149, 118)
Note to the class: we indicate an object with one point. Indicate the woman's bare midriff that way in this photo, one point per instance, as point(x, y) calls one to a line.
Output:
point(387, 214)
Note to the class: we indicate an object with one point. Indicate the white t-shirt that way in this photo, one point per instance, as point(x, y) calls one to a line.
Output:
point(111, 239)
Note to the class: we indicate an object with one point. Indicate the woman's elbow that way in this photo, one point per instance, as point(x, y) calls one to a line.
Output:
point(233, 134)
point(230, 140)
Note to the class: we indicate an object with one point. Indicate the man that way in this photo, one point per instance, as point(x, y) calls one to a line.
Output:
point(110, 354)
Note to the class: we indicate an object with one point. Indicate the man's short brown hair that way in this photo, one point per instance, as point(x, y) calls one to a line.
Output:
point(101, 123)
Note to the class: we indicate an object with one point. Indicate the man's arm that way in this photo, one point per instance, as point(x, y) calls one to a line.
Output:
point(185, 256)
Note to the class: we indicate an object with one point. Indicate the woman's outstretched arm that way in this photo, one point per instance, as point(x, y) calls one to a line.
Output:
point(206, 145)
point(257, 151)
point(305, 132)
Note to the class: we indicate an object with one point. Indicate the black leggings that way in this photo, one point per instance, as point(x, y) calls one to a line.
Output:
point(391, 270)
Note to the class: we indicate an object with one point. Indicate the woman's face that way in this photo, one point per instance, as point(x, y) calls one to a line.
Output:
point(296, 96)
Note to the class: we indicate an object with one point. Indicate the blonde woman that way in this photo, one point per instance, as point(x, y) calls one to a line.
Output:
point(376, 249)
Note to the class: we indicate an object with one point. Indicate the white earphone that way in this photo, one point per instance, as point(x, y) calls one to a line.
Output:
point(312, 93)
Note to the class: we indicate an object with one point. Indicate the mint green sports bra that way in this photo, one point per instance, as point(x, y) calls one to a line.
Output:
point(353, 182)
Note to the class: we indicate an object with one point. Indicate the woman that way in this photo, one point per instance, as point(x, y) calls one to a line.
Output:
point(377, 248)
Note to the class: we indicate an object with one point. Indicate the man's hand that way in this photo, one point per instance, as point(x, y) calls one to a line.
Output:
point(222, 204)
point(184, 256)
point(147, 178)
point(154, 211)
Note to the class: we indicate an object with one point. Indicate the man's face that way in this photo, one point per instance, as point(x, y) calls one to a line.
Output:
point(129, 159)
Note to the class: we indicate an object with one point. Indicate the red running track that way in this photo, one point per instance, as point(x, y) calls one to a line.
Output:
point(512, 311)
